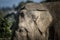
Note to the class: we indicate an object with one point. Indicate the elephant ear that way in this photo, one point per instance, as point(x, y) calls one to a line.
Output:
point(43, 19)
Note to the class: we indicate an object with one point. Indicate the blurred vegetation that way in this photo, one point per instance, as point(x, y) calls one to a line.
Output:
point(49, 1)
point(5, 31)
point(29, 1)
point(52, 0)
point(4, 28)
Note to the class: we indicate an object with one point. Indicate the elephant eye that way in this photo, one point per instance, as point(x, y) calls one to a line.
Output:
point(22, 14)
point(20, 30)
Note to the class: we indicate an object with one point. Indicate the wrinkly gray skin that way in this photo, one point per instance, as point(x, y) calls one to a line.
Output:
point(33, 25)
point(36, 20)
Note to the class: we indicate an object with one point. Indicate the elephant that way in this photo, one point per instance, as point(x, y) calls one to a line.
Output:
point(37, 21)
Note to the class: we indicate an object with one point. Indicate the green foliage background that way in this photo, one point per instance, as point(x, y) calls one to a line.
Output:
point(5, 31)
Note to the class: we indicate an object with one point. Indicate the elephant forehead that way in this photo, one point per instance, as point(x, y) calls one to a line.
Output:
point(42, 18)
